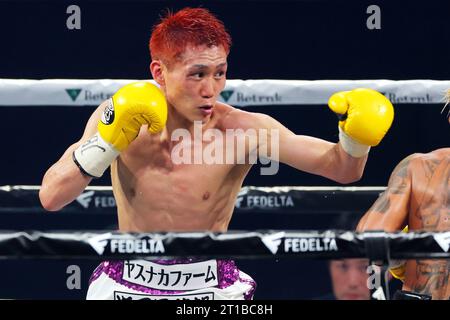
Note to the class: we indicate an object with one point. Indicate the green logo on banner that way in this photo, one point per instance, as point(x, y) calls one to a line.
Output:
point(73, 93)
point(226, 94)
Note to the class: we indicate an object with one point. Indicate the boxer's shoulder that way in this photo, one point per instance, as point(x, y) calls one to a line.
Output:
point(233, 118)
point(424, 164)
point(433, 157)
point(240, 119)
point(440, 154)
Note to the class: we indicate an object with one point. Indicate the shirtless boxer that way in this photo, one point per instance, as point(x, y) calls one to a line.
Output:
point(417, 196)
point(133, 133)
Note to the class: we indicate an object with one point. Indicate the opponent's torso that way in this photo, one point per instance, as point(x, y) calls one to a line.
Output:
point(430, 211)
point(155, 194)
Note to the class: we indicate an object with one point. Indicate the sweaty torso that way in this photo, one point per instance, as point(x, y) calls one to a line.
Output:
point(430, 211)
point(154, 193)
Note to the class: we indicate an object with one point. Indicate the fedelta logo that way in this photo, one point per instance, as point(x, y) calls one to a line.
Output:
point(294, 245)
point(125, 244)
point(264, 201)
point(234, 146)
point(273, 241)
point(443, 239)
point(86, 198)
point(310, 244)
point(99, 243)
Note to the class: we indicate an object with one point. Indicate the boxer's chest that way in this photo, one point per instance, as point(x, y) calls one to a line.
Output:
point(183, 174)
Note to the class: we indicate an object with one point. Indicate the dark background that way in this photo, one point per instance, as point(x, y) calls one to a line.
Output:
point(302, 40)
point(272, 39)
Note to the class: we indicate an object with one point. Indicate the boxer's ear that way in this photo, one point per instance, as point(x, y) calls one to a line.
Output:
point(156, 68)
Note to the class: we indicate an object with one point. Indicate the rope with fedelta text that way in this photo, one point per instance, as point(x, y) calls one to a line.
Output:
point(329, 244)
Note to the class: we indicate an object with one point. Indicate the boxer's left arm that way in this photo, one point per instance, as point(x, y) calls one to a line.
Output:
point(309, 154)
point(365, 116)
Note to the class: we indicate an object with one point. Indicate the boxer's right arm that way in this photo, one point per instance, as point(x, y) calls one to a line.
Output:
point(112, 127)
point(63, 182)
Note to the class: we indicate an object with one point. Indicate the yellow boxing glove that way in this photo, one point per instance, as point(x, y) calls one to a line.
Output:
point(365, 117)
point(130, 107)
point(398, 267)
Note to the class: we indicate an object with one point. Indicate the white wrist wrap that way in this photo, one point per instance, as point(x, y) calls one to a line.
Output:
point(94, 156)
point(353, 148)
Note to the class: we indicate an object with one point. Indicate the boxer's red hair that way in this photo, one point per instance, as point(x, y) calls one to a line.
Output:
point(189, 26)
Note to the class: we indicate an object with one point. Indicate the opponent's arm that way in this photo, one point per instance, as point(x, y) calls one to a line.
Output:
point(390, 210)
point(112, 127)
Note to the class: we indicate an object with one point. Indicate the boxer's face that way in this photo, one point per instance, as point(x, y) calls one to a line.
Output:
point(193, 82)
point(349, 278)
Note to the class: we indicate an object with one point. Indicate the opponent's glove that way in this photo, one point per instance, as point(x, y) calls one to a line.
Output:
point(365, 117)
point(129, 108)
point(398, 267)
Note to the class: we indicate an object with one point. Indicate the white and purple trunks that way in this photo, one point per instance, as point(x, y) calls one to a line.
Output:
point(179, 279)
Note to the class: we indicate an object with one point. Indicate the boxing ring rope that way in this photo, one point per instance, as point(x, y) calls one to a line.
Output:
point(290, 199)
point(329, 244)
point(239, 93)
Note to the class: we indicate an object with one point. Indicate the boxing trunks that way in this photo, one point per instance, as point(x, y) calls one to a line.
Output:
point(180, 279)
